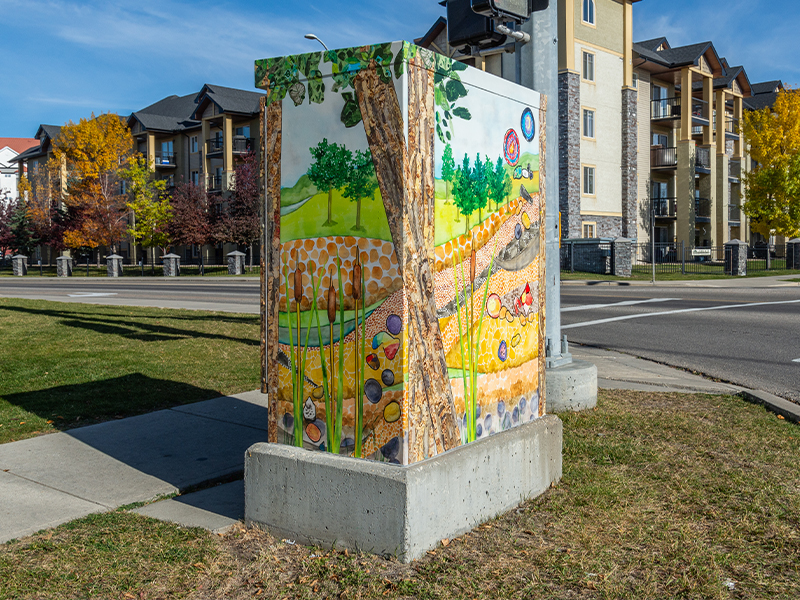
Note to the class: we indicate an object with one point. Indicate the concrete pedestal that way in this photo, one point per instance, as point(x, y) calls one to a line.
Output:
point(64, 266)
point(114, 265)
point(331, 500)
point(572, 387)
point(172, 265)
point(19, 264)
point(793, 254)
point(736, 258)
point(235, 263)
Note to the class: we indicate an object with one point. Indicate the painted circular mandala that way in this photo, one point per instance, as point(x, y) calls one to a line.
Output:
point(511, 147)
point(528, 124)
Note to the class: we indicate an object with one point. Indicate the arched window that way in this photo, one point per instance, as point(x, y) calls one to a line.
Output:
point(588, 11)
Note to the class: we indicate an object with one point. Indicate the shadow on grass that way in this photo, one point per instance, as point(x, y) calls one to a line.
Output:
point(132, 328)
point(75, 405)
point(198, 442)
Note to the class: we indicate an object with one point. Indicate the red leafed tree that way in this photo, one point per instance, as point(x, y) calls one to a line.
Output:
point(239, 214)
point(191, 223)
point(8, 207)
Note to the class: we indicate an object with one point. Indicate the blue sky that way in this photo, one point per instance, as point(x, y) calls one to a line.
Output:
point(63, 59)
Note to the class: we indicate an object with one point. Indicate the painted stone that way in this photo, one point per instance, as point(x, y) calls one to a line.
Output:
point(391, 448)
point(380, 339)
point(373, 362)
point(516, 340)
point(526, 220)
point(313, 432)
point(507, 424)
point(391, 350)
point(347, 445)
point(515, 415)
point(493, 306)
point(387, 377)
point(288, 422)
point(310, 410)
point(487, 423)
point(394, 324)
point(391, 412)
point(479, 430)
point(522, 404)
point(517, 231)
point(317, 393)
point(373, 390)
point(502, 351)
point(501, 408)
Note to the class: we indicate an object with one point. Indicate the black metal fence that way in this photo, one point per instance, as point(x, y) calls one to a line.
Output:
point(82, 267)
point(589, 257)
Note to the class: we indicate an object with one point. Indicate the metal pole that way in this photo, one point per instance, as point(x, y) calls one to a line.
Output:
point(653, 239)
point(683, 259)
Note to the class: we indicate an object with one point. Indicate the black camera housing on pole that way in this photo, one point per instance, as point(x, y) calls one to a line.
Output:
point(467, 28)
point(511, 10)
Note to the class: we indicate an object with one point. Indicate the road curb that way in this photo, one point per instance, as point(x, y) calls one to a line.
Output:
point(788, 410)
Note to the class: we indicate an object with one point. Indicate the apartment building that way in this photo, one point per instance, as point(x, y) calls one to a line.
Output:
point(10, 148)
point(691, 155)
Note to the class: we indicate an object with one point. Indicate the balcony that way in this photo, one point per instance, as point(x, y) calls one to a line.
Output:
point(734, 171)
point(734, 214)
point(164, 159)
point(732, 128)
point(239, 145)
point(214, 183)
point(663, 158)
point(702, 160)
point(702, 210)
point(665, 208)
point(666, 109)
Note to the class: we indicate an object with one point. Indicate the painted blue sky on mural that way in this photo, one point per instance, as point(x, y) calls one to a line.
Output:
point(64, 59)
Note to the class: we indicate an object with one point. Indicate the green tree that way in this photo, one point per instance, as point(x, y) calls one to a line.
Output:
point(773, 185)
point(23, 233)
point(329, 171)
point(463, 196)
point(480, 187)
point(149, 204)
point(361, 182)
point(499, 182)
point(448, 171)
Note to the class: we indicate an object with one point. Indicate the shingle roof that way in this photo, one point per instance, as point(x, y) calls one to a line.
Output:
point(29, 153)
point(51, 131)
point(230, 99)
point(18, 145)
point(684, 55)
point(172, 113)
point(760, 101)
point(766, 87)
point(653, 44)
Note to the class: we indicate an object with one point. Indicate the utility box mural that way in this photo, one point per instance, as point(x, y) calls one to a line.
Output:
point(404, 204)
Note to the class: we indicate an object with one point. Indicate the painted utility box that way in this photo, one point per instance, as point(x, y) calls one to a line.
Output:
point(405, 261)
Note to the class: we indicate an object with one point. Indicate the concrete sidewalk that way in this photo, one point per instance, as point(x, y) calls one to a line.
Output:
point(52, 479)
point(726, 282)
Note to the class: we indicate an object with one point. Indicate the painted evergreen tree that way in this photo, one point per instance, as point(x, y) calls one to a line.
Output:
point(361, 183)
point(448, 172)
point(329, 171)
point(463, 196)
point(480, 189)
point(499, 182)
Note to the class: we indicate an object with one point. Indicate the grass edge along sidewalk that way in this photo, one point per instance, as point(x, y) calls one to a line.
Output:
point(663, 496)
point(65, 365)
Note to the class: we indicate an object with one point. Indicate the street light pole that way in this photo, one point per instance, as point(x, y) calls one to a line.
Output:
point(311, 36)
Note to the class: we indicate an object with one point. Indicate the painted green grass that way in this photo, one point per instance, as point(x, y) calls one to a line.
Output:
point(663, 496)
point(306, 221)
point(65, 365)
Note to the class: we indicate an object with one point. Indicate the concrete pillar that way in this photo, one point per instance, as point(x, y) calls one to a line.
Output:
point(627, 44)
point(235, 263)
point(723, 200)
point(630, 181)
point(151, 150)
point(708, 109)
point(227, 156)
point(19, 264)
point(64, 266)
point(621, 257)
point(793, 254)
point(114, 265)
point(206, 134)
point(736, 258)
point(737, 114)
point(569, 153)
point(686, 104)
point(684, 191)
point(172, 265)
point(719, 106)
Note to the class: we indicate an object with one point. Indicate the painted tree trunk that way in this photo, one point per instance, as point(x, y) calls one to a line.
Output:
point(264, 241)
point(542, 249)
point(409, 211)
point(272, 234)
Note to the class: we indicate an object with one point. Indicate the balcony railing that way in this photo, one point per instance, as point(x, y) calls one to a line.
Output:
point(702, 158)
point(702, 208)
point(665, 208)
point(165, 159)
point(215, 183)
point(734, 213)
point(735, 169)
point(239, 145)
point(663, 157)
point(665, 108)
point(732, 125)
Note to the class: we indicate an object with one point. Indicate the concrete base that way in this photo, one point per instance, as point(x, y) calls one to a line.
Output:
point(571, 387)
point(330, 500)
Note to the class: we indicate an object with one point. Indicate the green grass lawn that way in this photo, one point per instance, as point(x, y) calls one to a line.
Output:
point(662, 496)
point(643, 273)
point(65, 365)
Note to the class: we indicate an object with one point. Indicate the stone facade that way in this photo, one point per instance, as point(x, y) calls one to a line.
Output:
point(172, 265)
point(736, 258)
point(64, 266)
point(630, 149)
point(114, 265)
point(793, 254)
point(569, 154)
point(605, 226)
point(19, 264)
point(235, 263)
point(621, 257)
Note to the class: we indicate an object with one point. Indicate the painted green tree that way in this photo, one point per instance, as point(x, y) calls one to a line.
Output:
point(448, 171)
point(361, 183)
point(499, 182)
point(480, 186)
point(329, 171)
point(463, 196)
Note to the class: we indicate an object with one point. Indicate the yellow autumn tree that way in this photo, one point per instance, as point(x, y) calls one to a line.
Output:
point(773, 185)
point(93, 154)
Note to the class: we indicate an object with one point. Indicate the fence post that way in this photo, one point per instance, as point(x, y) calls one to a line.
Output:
point(20, 265)
point(172, 265)
point(621, 260)
point(572, 258)
point(736, 258)
point(64, 266)
point(793, 254)
point(113, 265)
point(683, 259)
point(235, 263)
point(769, 258)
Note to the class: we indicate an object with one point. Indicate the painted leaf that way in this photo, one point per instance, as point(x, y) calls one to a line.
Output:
point(351, 113)
point(297, 93)
point(462, 113)
point(316, 90)
point(454, 90)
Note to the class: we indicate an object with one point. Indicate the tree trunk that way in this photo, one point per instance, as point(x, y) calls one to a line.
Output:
point(272, 233)
point(358, 215)
point(330, 222)
point(405, 177)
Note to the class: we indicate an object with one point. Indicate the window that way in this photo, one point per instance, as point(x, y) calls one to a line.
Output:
point(588, 123)
point(193, 143)
point(588, 229)
point(659, 139)
point(588, 12)
point(588, 66)
point(243, 131)
point(635, 81)
point(196, 177)
point(166, 152)
point(588, 181)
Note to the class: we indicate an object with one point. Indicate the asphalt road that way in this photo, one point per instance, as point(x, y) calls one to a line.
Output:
point(201, 293)
point(749, 336)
